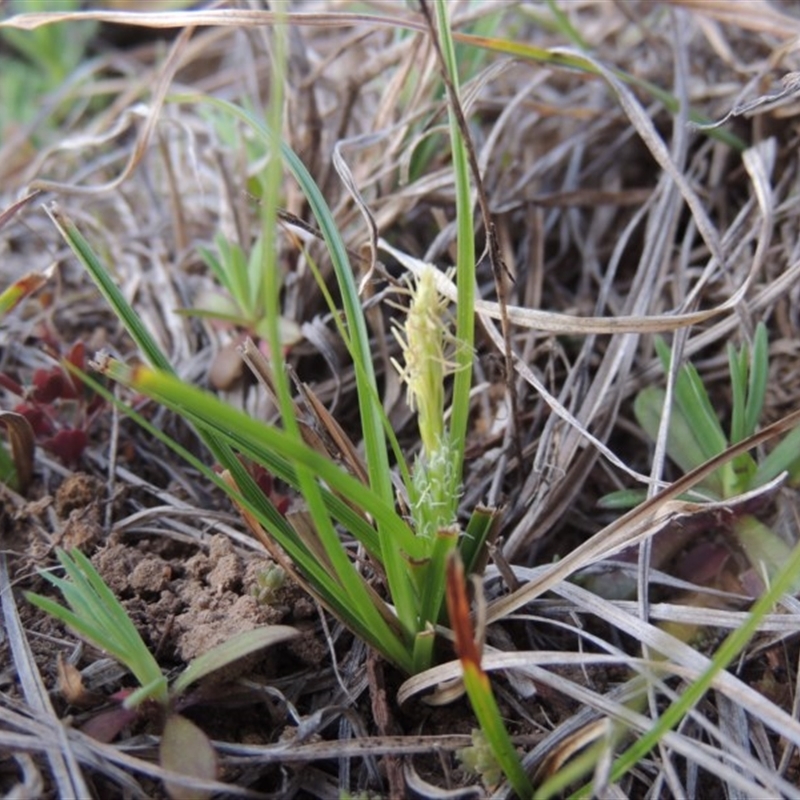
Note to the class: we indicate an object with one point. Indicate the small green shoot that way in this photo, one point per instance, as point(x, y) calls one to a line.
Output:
point(695, 435)
point(95, 614)
point(241, 277)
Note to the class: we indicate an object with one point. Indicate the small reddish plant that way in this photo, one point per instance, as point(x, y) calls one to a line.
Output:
point(55, 404)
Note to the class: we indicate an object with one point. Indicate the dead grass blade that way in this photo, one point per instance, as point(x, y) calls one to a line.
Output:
point(635, 526)
point(63, 762)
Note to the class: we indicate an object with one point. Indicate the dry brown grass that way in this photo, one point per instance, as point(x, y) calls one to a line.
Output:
point(615, 218)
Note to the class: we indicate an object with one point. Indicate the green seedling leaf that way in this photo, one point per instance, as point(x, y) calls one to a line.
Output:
point(748, 385)
point(622, 499)
point(517, 48)
point(765, 550)
point(21, 439)
point(261, 442)
point(186, 749)
point(683, 446)
point(757, 384)
point(730, 648)
point(232, 650)
point(97, 616)
point(132, 322)
point(465, 261)
point(693, 401)
point(737, 366)
point(213, 263)
point(784, 458)
point(482, 530)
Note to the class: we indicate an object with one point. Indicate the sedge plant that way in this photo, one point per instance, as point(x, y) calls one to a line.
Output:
point(407, 534)
point(94, 613)
point(340, 505)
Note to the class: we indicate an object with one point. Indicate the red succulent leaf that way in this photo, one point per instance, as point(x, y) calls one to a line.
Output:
point(107, 725)
point(266, 483)
point(40, 422)
point(52, 384)
point(77, 356)
point(68, 445)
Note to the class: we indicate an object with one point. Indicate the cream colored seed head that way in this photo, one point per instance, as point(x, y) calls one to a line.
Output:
point(422, 340)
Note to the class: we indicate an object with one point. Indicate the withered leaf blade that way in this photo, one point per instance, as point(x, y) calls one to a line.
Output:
point(23, 444)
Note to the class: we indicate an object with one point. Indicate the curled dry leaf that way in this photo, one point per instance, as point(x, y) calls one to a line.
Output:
point(20, 436)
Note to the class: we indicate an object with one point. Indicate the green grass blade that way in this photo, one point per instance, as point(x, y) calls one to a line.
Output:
point(131, 321)
point(737, 367)
point(433, 588)
point(785, 457)
point(255, 440)
point(757, 384)
point(482, 528)
point(693, 401)
point(358, 336)
point(258, 441)
point(476, 682)
point(213, 263)
point(516, 48)
point(682, 444)
point(231, 650)
point(349, 579)
point(139, 333)
point(329, 591)
point(465, 266)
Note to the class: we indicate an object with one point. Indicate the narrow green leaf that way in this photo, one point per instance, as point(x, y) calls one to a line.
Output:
point(733, 644)
point(757, 385)
point(213, 263)
point(682, 444)
point(97, 616)
point(694, 402)
point(784, 458)
point(131, 321)
point(256, 440)
point(476, 681)
point(465, 265)
point(622, 499)
point(481, 531)
point(737, 366)
point(257, 504)
point(692, 399)
point(231, 650)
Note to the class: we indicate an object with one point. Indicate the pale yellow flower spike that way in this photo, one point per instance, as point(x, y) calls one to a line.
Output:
point(423, 340)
